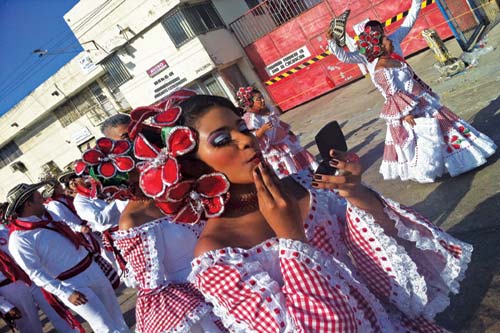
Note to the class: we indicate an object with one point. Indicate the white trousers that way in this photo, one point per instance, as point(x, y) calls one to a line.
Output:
point(102, 310)
point(59, 324)
point(19, 295)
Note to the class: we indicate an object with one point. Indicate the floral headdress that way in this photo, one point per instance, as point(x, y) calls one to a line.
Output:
point(108, 164)
point(244, 96)
point(160, 171)
point(370, 44)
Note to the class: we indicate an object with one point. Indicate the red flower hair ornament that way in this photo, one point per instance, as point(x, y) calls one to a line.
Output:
point(244, 96)
point(160, 167)
point(160, 174)
point(163, 113)
point(80, 167)
point(369, 44)
point(110, 157)
point(191, 200)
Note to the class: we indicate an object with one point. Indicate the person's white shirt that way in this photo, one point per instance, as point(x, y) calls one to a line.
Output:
point(59, 212)
point(98, 213)
point(44, 254)
point(62, 211)
point(396, 37)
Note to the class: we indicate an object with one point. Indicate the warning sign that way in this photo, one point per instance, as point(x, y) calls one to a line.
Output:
point(288, 61)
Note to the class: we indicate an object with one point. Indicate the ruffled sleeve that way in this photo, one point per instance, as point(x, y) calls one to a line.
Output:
point(418, 273)
point(253, 121)
point(138, 248)
point(311, 293)
point(398, 103)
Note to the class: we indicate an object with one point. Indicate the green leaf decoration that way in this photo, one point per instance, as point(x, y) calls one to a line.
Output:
point(165, 131)
point(93, 173)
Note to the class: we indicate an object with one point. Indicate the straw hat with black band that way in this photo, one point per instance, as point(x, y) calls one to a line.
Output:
point(19, 194)
point(66, 176)
point(49, 189)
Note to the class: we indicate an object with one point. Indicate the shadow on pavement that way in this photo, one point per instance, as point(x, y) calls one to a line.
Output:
point(477, 229)
point(370, 157)
point(354, 131)
point(484, 266)
point(487, 122)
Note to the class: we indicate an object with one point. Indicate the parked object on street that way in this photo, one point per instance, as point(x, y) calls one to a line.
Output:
point(447, 65)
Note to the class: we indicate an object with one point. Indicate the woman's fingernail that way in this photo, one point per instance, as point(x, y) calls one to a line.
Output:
point(318, 177)
point(314, 184)
point(334, 162)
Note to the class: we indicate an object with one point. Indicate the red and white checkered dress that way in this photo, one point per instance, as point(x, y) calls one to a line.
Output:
point(158, 256)
point(439, 142)
point(350, 277)
point(279, 147)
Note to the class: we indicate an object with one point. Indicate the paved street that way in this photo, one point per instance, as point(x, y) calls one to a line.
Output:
point(467, 206)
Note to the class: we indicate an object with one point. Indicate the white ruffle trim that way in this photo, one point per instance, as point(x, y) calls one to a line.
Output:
point(336, 272)
point(454, 270)
point(408, 287)
point(137, 231)
point(191, 318)
point(249, 271)
point(146, 232)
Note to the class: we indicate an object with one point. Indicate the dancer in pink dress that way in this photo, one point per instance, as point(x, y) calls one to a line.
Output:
point(280, 147)
point(286, 255)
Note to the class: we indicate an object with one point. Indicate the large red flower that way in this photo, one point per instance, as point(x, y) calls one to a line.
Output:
point(191, 200)
point(160, 168)
point(80, 167)
point(164, 113)
point(116, 193)
point(110, 157)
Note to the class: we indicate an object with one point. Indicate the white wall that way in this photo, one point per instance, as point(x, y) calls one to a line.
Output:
point(187, 63)
point(41, 145)
point(132, 16)
point(67, 81)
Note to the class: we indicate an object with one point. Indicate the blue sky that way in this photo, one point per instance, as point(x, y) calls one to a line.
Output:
point(27, 25)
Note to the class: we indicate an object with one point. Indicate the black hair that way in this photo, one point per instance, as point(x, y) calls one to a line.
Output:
point(375, 24)
point(20, 208)
point(114, 121)
point(196, 106)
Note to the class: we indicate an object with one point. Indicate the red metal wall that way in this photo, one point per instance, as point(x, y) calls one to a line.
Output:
point(309, 29)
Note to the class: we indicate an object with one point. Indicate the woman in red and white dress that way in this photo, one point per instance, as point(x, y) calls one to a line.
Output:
point(424, 138)
point(292, 255)
point(280, 147)
point(155, 254)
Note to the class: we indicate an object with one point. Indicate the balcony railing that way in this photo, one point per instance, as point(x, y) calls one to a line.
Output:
point(266, 17)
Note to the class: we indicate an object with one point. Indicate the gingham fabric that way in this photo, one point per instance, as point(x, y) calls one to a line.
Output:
point(164, 303)
point(279, 147)
point(351, 277)
point(457, 145)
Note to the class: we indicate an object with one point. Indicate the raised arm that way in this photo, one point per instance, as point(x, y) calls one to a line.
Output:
point(408, 23)
point(346, 57)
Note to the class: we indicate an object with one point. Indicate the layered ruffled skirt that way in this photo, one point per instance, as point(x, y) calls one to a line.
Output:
point(439, 142)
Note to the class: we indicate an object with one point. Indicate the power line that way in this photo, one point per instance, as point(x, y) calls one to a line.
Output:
point(11, 86)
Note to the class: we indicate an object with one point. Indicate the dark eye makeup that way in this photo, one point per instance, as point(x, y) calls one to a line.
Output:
point(223, 137)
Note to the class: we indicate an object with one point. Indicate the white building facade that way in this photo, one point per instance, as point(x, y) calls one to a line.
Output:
point(154, 47)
